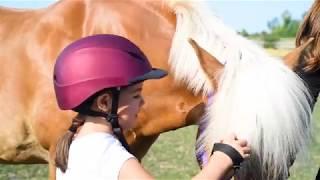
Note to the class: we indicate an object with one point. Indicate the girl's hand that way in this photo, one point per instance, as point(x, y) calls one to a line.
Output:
point(221, 163)
point(240, 145)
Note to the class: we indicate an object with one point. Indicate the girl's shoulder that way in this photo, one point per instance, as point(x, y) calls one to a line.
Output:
point(97, 144)
point(94, 136)
point(97, 153)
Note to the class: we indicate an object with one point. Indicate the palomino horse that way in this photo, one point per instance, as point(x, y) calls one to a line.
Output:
point(31, 39)
point(253, 92)
point(243, 96)
point(260, 99)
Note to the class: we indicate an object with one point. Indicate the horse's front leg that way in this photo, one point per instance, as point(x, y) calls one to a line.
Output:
point(52, 166)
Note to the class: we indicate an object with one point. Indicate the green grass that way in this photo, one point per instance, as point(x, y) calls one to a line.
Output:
point(306, 168)
point(23, 172)
point(172, 157)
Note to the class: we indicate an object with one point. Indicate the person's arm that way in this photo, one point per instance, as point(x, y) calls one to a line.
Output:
point(132, 169)
point(220, 165)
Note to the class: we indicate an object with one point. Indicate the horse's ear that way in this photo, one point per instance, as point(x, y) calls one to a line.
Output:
point(293, 57)
point(210, 64)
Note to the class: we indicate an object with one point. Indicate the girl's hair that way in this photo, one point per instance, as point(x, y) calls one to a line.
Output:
point(63, 144)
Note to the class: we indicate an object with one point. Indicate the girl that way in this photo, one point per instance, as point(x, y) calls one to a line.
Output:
point(101, 77)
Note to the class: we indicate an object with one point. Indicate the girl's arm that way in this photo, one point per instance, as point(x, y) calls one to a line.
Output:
point(218, 168)
point(220, 165)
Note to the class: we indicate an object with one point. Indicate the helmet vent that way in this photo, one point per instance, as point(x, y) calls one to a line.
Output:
point(136, 56)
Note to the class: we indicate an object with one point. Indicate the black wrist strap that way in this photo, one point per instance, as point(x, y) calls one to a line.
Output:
point(235, 156)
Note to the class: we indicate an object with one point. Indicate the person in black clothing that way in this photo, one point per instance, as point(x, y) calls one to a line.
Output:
point(306, 60)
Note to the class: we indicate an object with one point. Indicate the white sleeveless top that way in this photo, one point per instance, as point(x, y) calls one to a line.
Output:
point(96, 156)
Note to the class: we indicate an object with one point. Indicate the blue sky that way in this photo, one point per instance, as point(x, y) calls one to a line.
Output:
point(251, 15)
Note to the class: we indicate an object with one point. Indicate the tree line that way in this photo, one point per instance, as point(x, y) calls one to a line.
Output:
point(283, 27)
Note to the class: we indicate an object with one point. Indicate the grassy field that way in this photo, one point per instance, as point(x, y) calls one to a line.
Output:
point(172, 156)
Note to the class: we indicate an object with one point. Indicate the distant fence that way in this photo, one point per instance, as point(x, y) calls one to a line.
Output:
point(285, 43)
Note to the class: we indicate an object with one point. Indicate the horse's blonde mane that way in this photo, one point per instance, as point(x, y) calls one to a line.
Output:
point(259, 98)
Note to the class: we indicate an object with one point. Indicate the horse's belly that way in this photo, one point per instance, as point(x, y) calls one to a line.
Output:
point(18, 144)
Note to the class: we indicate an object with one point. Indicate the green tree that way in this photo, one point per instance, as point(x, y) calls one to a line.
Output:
point(244, 33)
point(286, 27)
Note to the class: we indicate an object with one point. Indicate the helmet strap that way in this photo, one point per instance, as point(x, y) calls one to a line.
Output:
point(112, 117)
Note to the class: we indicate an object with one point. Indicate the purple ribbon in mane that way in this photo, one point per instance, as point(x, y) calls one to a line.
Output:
point(203, 156)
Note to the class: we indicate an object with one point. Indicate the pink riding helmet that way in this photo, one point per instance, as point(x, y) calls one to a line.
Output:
point(97, 62)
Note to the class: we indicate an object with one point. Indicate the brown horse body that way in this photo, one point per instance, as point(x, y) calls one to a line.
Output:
point(31, 122)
